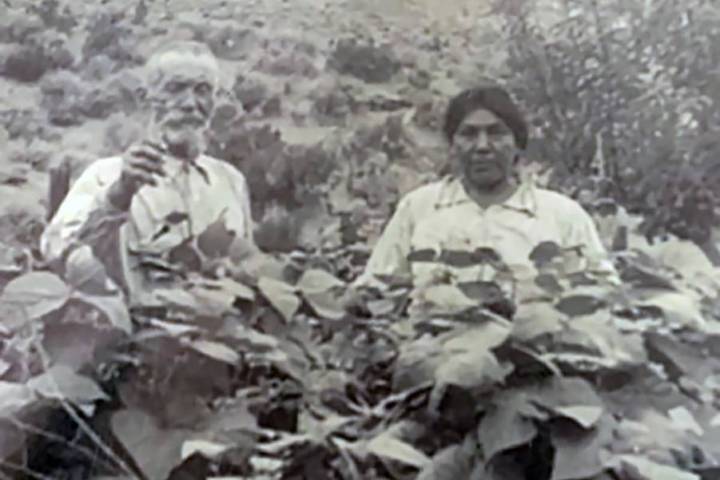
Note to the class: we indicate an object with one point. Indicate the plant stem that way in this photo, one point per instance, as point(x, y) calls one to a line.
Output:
point(82, 424)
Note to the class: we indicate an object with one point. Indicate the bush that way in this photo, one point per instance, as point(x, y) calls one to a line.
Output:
point(25, 63)
point(613, 92)
point(251, 91)
point(367, 62)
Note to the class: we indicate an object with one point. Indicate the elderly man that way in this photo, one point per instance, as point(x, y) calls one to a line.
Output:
point(162, 192)
point(481, 223)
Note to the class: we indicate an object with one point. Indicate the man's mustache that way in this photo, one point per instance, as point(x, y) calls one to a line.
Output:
point(196, 120)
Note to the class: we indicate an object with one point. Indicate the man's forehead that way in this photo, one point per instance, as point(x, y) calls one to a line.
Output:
point(187, 66)
point(480, 118)
point(188, 74)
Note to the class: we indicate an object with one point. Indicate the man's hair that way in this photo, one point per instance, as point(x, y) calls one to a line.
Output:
point(156, 62)
point(493, 98)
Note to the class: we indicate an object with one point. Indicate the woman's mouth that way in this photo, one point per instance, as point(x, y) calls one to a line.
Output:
point(185, 122)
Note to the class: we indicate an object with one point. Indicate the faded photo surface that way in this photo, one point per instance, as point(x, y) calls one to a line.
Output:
point(359, 240)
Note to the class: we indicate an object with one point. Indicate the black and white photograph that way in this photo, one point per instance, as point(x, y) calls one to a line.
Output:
point(359, 240)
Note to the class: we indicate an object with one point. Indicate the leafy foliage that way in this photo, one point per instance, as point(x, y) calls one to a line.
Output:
point(243, 375)
point(617, 95)
point(268, 371)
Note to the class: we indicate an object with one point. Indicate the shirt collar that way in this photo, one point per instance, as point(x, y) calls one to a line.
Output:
point(524, 200)
point(183, 167)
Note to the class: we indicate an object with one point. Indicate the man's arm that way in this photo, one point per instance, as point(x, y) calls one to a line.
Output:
point(87, 216)
point(389, 257)
point(239, 217)
point(85, 210)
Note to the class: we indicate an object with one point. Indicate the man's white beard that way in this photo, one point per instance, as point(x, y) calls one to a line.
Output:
point(185, 143)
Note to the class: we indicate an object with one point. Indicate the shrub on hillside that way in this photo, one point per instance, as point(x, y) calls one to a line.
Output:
point(368, 62)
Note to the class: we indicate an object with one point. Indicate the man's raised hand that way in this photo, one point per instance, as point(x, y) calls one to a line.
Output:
point(142, 164)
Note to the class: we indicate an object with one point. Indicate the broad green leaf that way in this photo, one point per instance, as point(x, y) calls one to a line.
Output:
point(13, 397)
point(682, 307)
point(174, 329)
point(203, 447)
point(76, 344)
point(8, 260)
point(36, 293)
point(12, 440)
point(213, 302)
point(325, 305)
point(544, 253)
point(216, 350)
point(645, 469)
point(174, 297)
point(680, 358)
point(549, 283)
point(215, 241)
point(578, 305)
point(585, 415)
point(483, 292)
point(239, 290)
point(683, 256)
point(114, 308)
point(280, 295)
point(598, 334)
point(320, 429)
point(471, 370)
point(185, 255)
point(86, 273)
point(12, 318)
point(643, 277)
point(61, 382)
point(561, 392)
point(685, 420)
point(417, 363)
point(535, 319)
point(715, 422)
point(285, 442)
point(650, 432)
point(232, 417)
point(467, 358)
point(224, 290)
point(387, 447)
point(155, 450)
point(453, 463)
point(483, 336)
point(318, 281)
point(508, 424)
point(381, 307)
point(578, 451)
point(444, 298)
point(251, 338)
point(463, 357)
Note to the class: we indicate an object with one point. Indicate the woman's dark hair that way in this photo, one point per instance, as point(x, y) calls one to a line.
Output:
point(492, 98)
